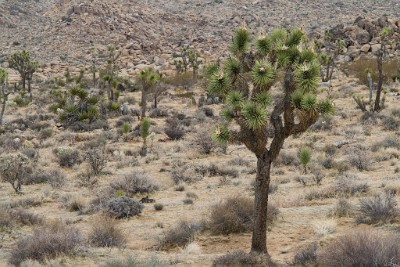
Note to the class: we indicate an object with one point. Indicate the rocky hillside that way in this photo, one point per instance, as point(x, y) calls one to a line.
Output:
point(62, 32)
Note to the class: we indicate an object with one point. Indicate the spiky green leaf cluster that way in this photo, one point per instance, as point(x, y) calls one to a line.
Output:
point(221, 134)
point(263, 45)
point(232, 68)
point(235, 99)
point(309, 102)
point(144, 128)
point(326, 107)
point(307, 76)
point(241, 41)
point(218, 84)
point(254, 115)
point(262, 73)
point(264, 99)
point(295, 37)
point(211, 69)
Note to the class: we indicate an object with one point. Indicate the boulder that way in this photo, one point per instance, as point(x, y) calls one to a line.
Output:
point(375, 48)
point(365, 48)
point(362, 37)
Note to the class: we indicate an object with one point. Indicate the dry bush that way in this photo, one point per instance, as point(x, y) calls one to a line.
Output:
point(6, 220)
point(306, 256)
point(387, 142)
point(131, 261)
point(287, 159)
point(242, 259)
point(53, 177)
point(362, 248)
point(97, 160)
point(342, 208)
point(204, 142)
point(25, 217)
point(378, 209)
point(25, 202)
point(235, 215)
point(14, 168)
point(390, 124)
point(73, 203)
point(47, 242)
point(104, 233)
point(123, 207)
point(182, 234)
point(68, 156)
point(158, 206)
point(174, 129)
point(135, 183)
point(183, 172)
point(359, 159)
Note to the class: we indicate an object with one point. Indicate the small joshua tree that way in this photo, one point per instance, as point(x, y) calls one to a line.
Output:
point(144, 133)
point(126, 127)
point(379, 103)
point(3, 92)
point(147, 79)
point(305, 157)
point(281, 63)
point(22, 62)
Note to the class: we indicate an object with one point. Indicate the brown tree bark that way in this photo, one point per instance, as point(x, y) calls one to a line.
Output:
point(377, 106)
point(259, 238)
point(143, 103)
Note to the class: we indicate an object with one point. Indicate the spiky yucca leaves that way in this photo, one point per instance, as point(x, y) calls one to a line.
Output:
point(241, 41)
point(263, 45)
point(255, 116)
point(262, 74)
point(307, 76)
point(218, 84)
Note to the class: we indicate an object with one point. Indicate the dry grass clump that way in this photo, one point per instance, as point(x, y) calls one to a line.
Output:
point(359, 159)
point(25, 202)
point(135, 183)
point(181, 235)
point(362, 248)
point(105, 233)
point(53, 177)
point(378, 209)
point(25, 217)
point(242, 259)
point(306, 256)
point(47, 242)
point(342, 208)
point(132, 261)
point(235, 215)
point(68, 156)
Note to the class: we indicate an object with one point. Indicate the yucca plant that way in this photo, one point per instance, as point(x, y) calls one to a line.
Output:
point(304, 157)
point(281, 62)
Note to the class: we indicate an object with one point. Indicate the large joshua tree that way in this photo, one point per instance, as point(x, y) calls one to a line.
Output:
point(270, 93)
point(22, 62)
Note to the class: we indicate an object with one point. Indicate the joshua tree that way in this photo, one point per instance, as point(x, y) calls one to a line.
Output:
point(379, 103)
point(305, 157)
point(147, 79)
point(3, 92)
point(21, 62)
point(280, 63)
point(144, 133)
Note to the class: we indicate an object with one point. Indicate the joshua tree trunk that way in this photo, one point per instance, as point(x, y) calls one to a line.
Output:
point(144, 103)
point(29, 90)
point(377, 106)
point(259, 238)
point(3, 107)
point(23, 78)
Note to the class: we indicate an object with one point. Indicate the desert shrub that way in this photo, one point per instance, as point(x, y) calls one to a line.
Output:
point(47, 242)
point(53, 177)
point(389, 141)
point(304, 157)
point(342, 208)
point(188, 201)
point(360, 160)
point(174, 129)
point(323, 124)
point(239, 161)
point(31, 153)
point(97, 160)
point(377, 209)
point(104, 233)
point(68, 156)
point(182, 172)
point(327, 163)
point(135, 183)
point(182, 234)
point(6, 220)
point(14, 168)
point(26, 202)
point(286, 158)
point(45, 133)
point(362, 248)
point(123, 120)
point(158, 206)
point(390, 124)
point(344, 187)
point(73, 203)
point(123, 207)
point(204, 142)
point(131, 261)
point(242, 259)
point(25, 217)
point(158, 113)
point(306, 256)
point(235, 215)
